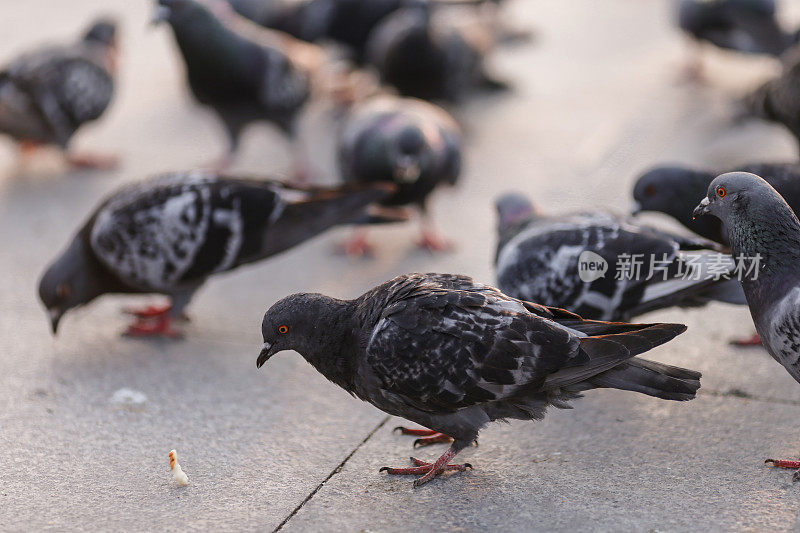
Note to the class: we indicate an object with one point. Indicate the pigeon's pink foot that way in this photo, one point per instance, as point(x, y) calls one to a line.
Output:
point(357, 246)
point(429, 470)
point(93, 161)
point(156, 327)
point(780, 463)
point(432, 242)
point(150, 311)
point(428, 436)
point(754, 340)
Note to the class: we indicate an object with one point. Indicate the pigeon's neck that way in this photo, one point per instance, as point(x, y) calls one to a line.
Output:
point(331, 346)
point(765, 241)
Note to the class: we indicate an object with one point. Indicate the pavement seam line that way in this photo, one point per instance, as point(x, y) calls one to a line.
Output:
point(333, 473)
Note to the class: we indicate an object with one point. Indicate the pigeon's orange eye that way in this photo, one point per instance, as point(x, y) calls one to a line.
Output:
point(283, 329)
point(721, 192)
point(62, 290)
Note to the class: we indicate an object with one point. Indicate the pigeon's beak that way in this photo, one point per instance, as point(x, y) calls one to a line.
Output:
point(55, 315)
point(636, 208)
point(701, 209)
point(267, 351)
point(161, 14)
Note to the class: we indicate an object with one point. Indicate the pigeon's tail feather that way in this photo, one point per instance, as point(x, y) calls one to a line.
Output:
point(606, 351)
point(651, 378)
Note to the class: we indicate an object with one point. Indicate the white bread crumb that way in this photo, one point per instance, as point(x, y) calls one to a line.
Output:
point(178, 474)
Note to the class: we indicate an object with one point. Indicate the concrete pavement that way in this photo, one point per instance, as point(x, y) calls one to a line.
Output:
point(596, 101)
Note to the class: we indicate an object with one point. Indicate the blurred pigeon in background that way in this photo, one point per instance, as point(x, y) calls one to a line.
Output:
point(778, 100)
point(168, 234)
point(245, 73)
point(427, 52)
point(48, 93)
point(673, 190)
point(410, 143)
point(453, 355)
point(747, 26)
point(604, 267)
point(763, 227)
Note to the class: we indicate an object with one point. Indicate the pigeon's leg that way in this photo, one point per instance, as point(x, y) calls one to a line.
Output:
point(430, 470)
point(149, 311)
point(358, 245)
point(781, 463)
point(754, 340)
point(427, 436)
point(160, 326)
point(92, 161)
point(27, 149)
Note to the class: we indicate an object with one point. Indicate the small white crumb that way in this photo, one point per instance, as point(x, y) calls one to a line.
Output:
point(128, 397)
point(178, 474)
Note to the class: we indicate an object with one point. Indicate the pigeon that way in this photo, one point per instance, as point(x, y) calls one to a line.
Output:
point(169, 233)
point(453, 355)
point(603, 267)
point(408, 142)
point(764, 231)
point(47, 94)
point(673, 190)
point(432, 57)
point(748, 26)
point(243, 72)
point(347, 22)
point(778, 100)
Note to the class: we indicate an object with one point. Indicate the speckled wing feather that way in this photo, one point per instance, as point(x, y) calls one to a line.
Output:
point(179, 228)
point(443, 344)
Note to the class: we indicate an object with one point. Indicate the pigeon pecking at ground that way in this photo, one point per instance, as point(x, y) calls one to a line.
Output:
point(453, 355)
point(426, 52)
point(168, 234)
point(603, 267)
point(747, 26)
point(46, 95)
point(763, 228)
point(673, 190)
point(410, 143)
point(245, 73)
point(778, 100)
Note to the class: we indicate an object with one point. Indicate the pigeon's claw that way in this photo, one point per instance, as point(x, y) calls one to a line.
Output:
point(436, 438)
point(428, 470)
point(156, 327)
point(150, 311)
point(357, 246)
point(418, 432)
point(781, 463)
point(432, 242)
point(753, 340)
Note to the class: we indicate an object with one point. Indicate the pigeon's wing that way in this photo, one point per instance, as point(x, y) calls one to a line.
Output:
point(781, 332)
point(441, 349)
point(64, 88)
point(179, 228)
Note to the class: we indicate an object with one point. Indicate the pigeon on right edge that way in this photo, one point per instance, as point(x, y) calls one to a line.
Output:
point(453, 355)
point(763, 228)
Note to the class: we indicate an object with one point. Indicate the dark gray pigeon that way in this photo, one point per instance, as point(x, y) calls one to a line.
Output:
point(243, 72)
point(778, 100)
point(573, 261)
point(168, 234)
point(453, 355)
point(46, 95)
point(673, 190)
point(763, 227)
point(432, 57)
point(748, 26)
point(404, 141)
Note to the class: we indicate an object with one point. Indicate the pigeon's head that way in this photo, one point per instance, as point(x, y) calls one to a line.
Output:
point(298, 322)
point(738, 194)
point(513, 209)
point(68, 283)
point(663, 189)
point(177, 11)
point(411, 154)
point(102, 31)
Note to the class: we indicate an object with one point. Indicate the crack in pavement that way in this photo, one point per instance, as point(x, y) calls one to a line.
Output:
point(333, 473)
